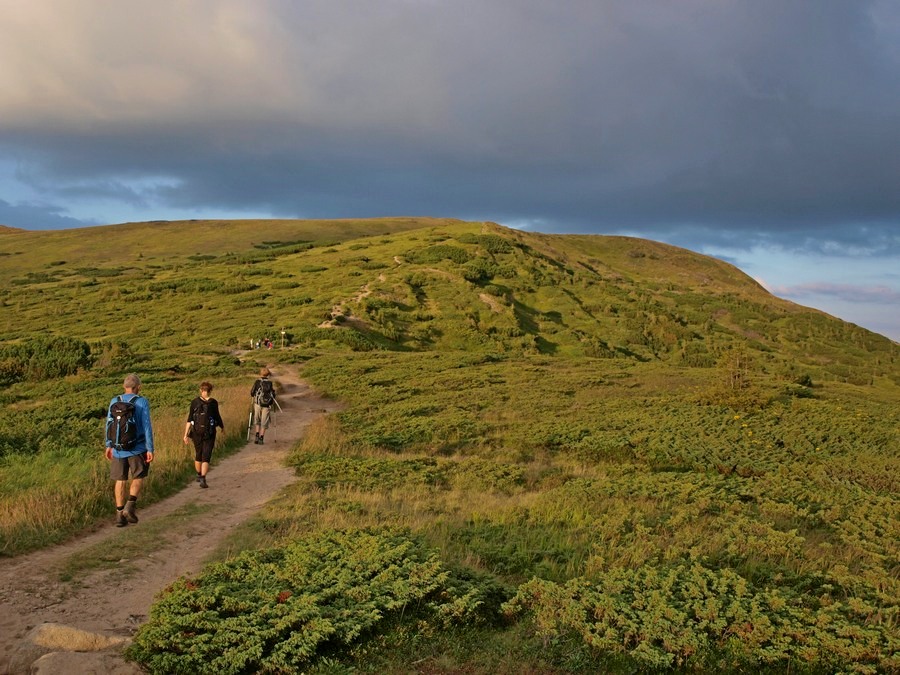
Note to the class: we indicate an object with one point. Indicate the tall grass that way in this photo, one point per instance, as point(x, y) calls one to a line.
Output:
point(48, 496)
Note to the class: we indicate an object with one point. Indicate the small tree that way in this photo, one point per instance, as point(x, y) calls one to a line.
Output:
point(734, 366)
point(733, 385)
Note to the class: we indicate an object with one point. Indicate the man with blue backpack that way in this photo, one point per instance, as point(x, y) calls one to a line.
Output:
point(129, 447)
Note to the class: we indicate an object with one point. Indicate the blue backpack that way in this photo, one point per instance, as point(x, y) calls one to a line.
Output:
point(121, 430)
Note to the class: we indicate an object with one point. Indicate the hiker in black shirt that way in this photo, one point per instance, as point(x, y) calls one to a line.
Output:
point(202, 422)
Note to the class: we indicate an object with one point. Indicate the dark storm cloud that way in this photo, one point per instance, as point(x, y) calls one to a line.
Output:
point(741, 123)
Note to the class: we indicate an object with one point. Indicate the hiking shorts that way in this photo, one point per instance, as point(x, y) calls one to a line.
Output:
point(121, 467)
point(261, 415)
point(203, 448)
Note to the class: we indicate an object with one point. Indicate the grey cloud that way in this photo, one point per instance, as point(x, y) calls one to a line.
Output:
point(748, 123)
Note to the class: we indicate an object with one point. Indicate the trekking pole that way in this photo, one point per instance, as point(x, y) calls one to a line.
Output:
point(275, 419)
point(249, 426)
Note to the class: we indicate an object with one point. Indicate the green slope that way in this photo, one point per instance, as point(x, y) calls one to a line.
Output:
point(413, 284)
point(657, 463)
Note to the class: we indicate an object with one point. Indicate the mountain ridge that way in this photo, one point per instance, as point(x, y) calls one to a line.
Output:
point(412, 283)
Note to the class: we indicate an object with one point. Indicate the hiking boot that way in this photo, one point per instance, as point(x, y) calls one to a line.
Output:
point(129, 513)
point(121, 520)
point(203, 482)
point(261, 440)
point(256, 440)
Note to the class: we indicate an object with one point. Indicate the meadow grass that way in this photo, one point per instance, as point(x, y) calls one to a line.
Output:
point(560, 484)
point(605, 426)
point(46, 497)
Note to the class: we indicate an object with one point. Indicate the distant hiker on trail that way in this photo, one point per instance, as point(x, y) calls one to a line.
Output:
point(263, 396)
point(203, 419)
point(129, 446)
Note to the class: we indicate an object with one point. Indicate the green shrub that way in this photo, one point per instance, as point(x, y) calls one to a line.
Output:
point(492, 243)
point(437, 253)
point(372, 265)
point(479, 270)
point(236, 287)
point(43, 357)
point(692, 617)
point(281, 609)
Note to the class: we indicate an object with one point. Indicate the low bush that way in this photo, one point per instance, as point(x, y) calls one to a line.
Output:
point(693, 617)
point(281, 609)
point(43, 357)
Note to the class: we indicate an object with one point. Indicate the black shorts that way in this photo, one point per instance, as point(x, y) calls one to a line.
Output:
point(135, 465)
point(203, 448)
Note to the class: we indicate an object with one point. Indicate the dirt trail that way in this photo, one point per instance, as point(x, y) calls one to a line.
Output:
point(31, 592)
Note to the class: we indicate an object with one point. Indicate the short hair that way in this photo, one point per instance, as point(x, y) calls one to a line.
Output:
point(132, 381)
point(206, 386)
point(264, 372)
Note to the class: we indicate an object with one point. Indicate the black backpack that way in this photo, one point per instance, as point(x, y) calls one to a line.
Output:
point(201, 424)
point(265, 395)
point(122, 430)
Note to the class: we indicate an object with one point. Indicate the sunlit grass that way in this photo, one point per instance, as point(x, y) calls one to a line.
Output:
point(47, 496)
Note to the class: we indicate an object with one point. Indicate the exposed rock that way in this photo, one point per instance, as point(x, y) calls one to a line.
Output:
point(55, 637)
point(84, 663)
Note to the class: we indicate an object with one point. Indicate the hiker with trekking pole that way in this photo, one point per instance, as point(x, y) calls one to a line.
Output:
point(263, 396)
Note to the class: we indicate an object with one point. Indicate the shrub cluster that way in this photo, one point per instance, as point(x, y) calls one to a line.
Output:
point(43, 357)
point(492, 243)
point(279, 610)
point(690, 616)
point(437, 253)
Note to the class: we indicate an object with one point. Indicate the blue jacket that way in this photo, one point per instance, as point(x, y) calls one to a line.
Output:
point(144, 429)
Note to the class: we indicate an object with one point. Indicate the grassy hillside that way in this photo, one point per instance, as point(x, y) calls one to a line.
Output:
point(448, 285)
point(558, 452)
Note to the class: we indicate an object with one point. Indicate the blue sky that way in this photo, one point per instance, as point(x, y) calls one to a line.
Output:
point(764, 132)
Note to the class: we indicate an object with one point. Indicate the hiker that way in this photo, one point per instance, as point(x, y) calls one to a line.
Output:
point(203, 419)
point(129, 447)
point(263, 396)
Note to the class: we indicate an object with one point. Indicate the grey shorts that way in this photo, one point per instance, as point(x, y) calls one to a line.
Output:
point(121, 467)
point(261, 416)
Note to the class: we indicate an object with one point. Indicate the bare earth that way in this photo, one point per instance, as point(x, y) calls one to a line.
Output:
point(32, 594)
